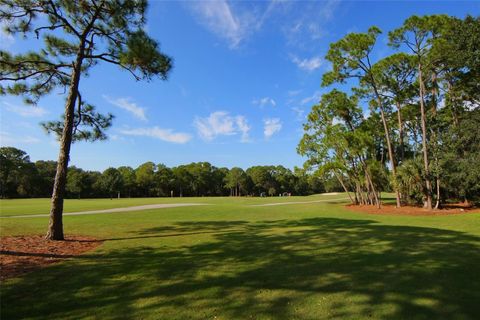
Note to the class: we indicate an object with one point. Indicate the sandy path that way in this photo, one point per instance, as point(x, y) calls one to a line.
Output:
point(126, 209)
point(296, 202)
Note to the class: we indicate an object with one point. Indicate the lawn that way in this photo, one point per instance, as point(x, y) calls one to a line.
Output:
point(232, 260)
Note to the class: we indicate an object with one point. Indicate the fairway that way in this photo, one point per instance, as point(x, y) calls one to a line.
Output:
point(236, 258)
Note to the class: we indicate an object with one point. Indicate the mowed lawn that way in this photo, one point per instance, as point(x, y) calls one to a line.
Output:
point(232, 260)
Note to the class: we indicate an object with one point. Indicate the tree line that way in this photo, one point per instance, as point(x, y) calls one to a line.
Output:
point(420, 139)
point(21, 178)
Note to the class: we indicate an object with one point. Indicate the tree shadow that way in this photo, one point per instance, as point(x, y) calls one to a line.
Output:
point(308, 269)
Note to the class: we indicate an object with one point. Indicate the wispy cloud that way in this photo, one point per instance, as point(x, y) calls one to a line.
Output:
point(314, 98)
point(7, 139)
point(309, 22)
point(271, 126)
point(299, 113)
point(220, 123)
point(307, 64)
point(127, 105)
point(25, 111)
point(264, 102)
point(231, 23)
point(293, 93)
point(158, 133)
point(243, 127)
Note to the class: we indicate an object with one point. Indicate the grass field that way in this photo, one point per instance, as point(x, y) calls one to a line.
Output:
point(232, 260)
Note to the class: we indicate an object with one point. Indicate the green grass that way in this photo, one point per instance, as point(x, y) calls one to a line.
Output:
point(230, 260)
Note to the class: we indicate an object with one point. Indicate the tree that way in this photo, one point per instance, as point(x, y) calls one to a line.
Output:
point(111, 181)
point(182, 178)
point(262, 178)
point(395, 76)
point(15, 172)
point(145, 178)
point(163, 180)
point(415, 34)
point(129, 180)
point(336, 143)
point(76, 35)
point(45, 177)
point(350, 57)
point(77, 182)
point(236, 181)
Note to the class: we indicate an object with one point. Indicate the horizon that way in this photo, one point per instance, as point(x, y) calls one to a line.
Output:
point(245, 76)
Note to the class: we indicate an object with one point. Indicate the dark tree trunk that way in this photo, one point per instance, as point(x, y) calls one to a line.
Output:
point(55, 226)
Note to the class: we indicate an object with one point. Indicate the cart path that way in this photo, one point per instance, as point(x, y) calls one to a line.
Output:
point(297, 202)
point(114, 210)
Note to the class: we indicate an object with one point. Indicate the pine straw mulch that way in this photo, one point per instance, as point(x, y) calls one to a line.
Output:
point(22, 254)
point(390, 209)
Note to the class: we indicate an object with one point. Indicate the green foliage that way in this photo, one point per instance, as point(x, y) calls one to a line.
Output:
point(460, 151)
point(16, 172)
point(111, 181)
point(410, 179)
point(88, 125)
point(21, 178)
point(421, 98)
point(76, 36)
point(350, 57)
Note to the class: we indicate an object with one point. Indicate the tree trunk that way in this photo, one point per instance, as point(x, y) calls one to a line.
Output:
point(428, 183)
point(55, 225)
point(434, 138)
point(390, 149)
point(400, 131)
point(437, 204)
point(343, 185)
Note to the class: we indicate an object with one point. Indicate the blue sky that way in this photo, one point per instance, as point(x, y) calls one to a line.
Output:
point(245, 76)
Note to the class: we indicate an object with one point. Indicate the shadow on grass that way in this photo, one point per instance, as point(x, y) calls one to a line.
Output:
point(309, 269)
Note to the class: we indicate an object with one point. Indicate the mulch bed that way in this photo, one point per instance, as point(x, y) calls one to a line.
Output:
point(388, 209)
point(22, 254)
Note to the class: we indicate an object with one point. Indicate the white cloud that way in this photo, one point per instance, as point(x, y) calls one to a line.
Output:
point(243, 126)
point(309, 22)
point(158, 133)
point(220, 123)
point(314, 98)
point(299, 112)
point(264, 101)
point(128, 105)
point(231, 24)
point(307, 64)
point(25, 111)
point(271, 126)
point(293, 93)
point(6, 139)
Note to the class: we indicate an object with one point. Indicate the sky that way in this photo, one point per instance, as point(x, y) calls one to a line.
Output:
point(245, 76)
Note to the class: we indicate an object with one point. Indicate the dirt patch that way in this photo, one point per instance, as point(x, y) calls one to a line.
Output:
point(23, 254)
point(388, 209)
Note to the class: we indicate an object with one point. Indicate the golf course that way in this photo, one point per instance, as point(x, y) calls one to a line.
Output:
point(239, 160)
point(247, 258)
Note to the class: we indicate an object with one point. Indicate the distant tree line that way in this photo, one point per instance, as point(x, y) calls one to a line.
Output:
point(21, 178)
point(421, 138)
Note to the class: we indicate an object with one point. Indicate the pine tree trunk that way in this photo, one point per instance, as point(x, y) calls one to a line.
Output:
point(390, 149)
point(400, 131)
point(343, 185)
point(437, 204)
point(55, 225)
point(428, 183)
